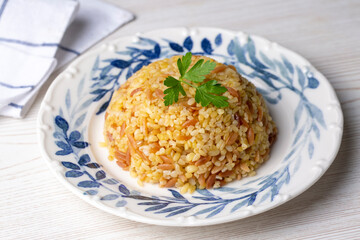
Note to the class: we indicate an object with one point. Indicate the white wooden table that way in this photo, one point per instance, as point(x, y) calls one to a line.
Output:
point(34, 205)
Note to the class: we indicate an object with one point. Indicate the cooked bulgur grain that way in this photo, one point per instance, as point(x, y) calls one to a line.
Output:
point(185, 145)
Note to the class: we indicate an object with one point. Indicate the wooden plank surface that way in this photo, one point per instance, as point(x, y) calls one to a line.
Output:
point(34, 205)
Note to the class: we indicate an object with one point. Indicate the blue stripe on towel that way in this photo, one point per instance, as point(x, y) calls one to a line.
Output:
point(30, 44)
point(14, 105)
point(15, 87)
point(3, 7)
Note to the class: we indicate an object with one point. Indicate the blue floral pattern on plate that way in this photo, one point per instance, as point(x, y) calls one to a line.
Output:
point(276, 74)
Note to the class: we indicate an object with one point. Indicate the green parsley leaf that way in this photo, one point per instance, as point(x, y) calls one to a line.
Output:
point(184, 63)
point(199, 70)
point(214, 87)
point(205, 94)
point(172, 93)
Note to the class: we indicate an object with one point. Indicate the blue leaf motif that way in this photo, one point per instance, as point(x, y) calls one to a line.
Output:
point(157, 50)
point(100, 175)
point(119, 63)
point(138, 67)
point(176, 47)
point(283, 71)
point(68, 99)
point(179, 211)
point(64, 152)
point(265, 197)
point(99, 91)
point(91, 192)
point(311, 150)
point(79, 120)
point(188, 43)
point(86, 104)
point(206, 46)
point(134, 192)
point(88, 184)
point(206, 210)
point(111, 181)
point(171, 209)
point(298, 135)
point(267, 178)
point(240, 52)
point(92, 165)
point(239, 205)
point(100, 94)
point(121, 203)
point(152, 54)
point(297, 165)
point(230, 48)
point(64, 146)
point(73, 174)
point(157, 207)
point(301, 77)
point(271, 100)
point(288, 65)
point(263, 91)
point(96, 65)
point(139, 197)
point(298, 112)
point(109, 197)
point(217, 211)
point(84, 159)
point(62, 123)
point(268, 183)
point(226, 189)
point(149, 203)
point(176, 194)
point(105, 71)
point(287, 179)
point(316, 113)
point(252, 54)
point(70, 165)
point(205, 192)
point(206, 198)
point(104, 106)
point(74, 136)
point(313, 82)
point(124, 190)
point(218, 40)
point(316, 130)
point(290, 154)
point(80, 144)
point(129, 73)
point(267, 60)
point(274, 192)
point(252, 199)
point(57, 135)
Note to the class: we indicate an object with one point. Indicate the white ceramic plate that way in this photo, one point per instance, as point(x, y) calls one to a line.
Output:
point(301, 100)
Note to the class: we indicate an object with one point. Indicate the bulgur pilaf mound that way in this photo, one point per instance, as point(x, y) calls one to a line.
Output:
point(185, 145)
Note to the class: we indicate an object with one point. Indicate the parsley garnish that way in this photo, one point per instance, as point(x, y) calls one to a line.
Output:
point(205, 93)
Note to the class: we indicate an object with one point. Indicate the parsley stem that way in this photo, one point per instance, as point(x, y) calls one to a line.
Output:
point(181, 80)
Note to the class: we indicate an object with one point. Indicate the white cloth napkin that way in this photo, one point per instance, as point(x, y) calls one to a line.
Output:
point(38, 35)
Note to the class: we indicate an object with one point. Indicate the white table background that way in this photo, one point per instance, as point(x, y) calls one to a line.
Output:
point(34, 205)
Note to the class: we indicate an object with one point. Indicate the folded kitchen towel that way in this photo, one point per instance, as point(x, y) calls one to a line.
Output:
point(39, 35)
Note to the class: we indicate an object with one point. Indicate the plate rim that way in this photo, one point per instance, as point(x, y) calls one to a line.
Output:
point(128, 214)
